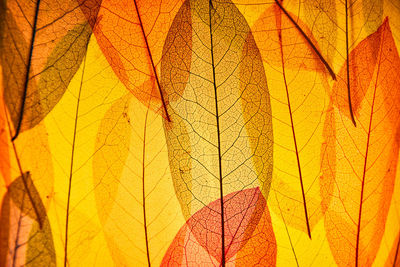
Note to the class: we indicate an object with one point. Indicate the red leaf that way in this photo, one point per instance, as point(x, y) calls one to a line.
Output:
point(247, 227)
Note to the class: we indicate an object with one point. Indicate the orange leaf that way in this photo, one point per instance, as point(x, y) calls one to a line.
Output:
point(272, 25)
point(359, 165)
point(242, 212)
point(131, 35)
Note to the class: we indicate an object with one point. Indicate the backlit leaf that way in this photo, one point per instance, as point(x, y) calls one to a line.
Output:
point(25, 239)
point(363, 160)
point(42, 46)
point(193, 245)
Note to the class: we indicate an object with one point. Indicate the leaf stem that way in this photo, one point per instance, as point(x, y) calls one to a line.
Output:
point(143, 189)
point(330, 70)
point(28, 67)
point(348, 67)
point(72, 165)
point(152, 62)
point(294, 135)
point(219, 141)
point(397, 252)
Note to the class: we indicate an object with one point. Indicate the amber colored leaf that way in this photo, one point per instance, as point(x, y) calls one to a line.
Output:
point(133, 183)
point(321, 17)
point(198, 241)
point(42, 46)
point(22, 240)
point(220, 135)
point(274, 25)
point(364, 159)
point(373, 14)
point(134, 47)
point(299, 100)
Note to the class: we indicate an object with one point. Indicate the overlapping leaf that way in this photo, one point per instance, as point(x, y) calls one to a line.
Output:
point(359, 166)
point(131, 35)
point(321, 17)
point(25, 238)
point(220, 135)
point(197, 242)
point(42, 46)
point(299, 100)
point(133, 183)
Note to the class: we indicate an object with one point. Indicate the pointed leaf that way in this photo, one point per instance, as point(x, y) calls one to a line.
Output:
point(197, 242)
point(362, 63)
point(133, 183)
point(365, 160)
point(298, 101)
point(298, 54)
point(22, 240)
point(134, 47)
point(43, 44)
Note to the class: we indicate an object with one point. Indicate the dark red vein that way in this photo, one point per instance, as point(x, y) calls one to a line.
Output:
point(348, 68)
point(219, 140)
point(365, 162)
point(72, 164)
point(294, 135)
point(28, 67)
point(152, 62)
point(143, 190)
point(326, 64)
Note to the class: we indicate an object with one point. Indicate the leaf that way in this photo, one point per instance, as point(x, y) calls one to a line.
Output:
point(365, 160)
point(274, 25)
point(42, 44)
point(132, 182)
point(220, 135)
point(199, 143)
point(23, 241)
point(193, 245)
point(373, 14)
point(298, 100)
point(362, 63)
point(134, 57)
point(321, 16)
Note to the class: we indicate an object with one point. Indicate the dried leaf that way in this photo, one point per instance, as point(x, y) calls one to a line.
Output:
point(198, 240)
point(42, 46)
point(25, 239)
point(363, 162)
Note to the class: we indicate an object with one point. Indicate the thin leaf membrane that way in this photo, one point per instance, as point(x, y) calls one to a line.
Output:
point(25, 239)
point(220, 135)
point(247, 244)
point(42, 46)
point(364, 159)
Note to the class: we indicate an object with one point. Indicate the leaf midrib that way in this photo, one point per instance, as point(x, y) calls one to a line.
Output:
point(210, 6)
